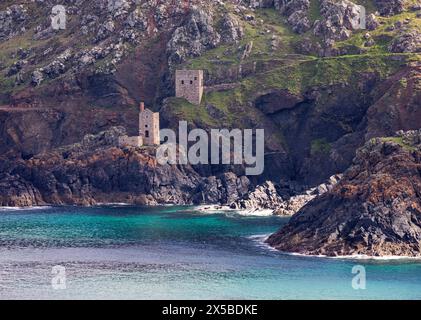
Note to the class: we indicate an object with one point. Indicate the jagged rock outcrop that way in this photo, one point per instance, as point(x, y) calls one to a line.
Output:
point(222, 189)
point(118, 7)
point(390, 7)
point(37, 77)
point(230, 29)
point(374, 210)
point(200, 33)
point(193, 37)
point(296, 12)
point(339, 19)
point(12, 21)
point(96, 170)
point(409, 41)
point(263, 197)
point(283, 199)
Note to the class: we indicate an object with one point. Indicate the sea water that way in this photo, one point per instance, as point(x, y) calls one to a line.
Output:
point(125, 252)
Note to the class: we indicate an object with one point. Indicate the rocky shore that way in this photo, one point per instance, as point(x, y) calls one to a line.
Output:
point(374, 210)
point(283, 198)
point(97, 170)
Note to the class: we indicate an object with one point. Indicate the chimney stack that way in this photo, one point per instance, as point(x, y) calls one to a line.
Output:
point(142, 106)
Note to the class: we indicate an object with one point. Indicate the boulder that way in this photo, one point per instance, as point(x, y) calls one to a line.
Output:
point(371, 22)
point(339, 19)
point(37, 77)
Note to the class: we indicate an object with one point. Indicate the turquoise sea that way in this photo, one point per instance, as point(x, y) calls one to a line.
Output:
point(115, 252)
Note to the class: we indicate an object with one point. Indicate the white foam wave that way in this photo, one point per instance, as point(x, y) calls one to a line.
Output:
point(260, 239)
point(353, 257)
point(113, 204)
point(226, 209)
point(24, 208)
point(255, 212)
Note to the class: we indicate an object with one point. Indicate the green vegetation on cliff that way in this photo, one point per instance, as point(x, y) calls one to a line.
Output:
point(400, 141)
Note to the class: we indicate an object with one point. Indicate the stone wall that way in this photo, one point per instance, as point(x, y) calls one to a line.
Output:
point(126, 141)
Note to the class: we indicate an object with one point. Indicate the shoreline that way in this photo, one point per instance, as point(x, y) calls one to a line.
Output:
point(261, 240)
point(245, 212)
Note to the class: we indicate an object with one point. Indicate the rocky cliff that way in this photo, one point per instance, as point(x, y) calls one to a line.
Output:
point(374, 210)
point(302, 70)
point(96, 171)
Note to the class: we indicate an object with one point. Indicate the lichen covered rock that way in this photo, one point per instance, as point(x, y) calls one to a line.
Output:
point(193, 37)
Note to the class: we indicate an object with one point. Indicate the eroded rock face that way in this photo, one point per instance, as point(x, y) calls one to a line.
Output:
point(399, 107)
point(200, 33)
point(222, 189)
point(118, 7)
point(375, 209)
point(276, 101)
point(94, 171)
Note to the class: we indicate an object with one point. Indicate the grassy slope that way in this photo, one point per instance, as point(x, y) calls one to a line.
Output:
point(298, 74)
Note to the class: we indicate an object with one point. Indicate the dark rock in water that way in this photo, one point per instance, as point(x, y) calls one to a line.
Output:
point(374, 210)
point(264, 196)
point(282, 199)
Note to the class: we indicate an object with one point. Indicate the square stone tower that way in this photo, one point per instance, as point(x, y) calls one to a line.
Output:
point(189, 85)
point(149, 126)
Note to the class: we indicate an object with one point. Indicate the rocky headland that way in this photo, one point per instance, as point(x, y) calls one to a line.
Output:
point(97, 170)
point(375, 209)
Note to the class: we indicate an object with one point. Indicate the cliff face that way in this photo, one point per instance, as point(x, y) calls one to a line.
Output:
point(375, 209)
point(96, 171)
point(302, 70)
